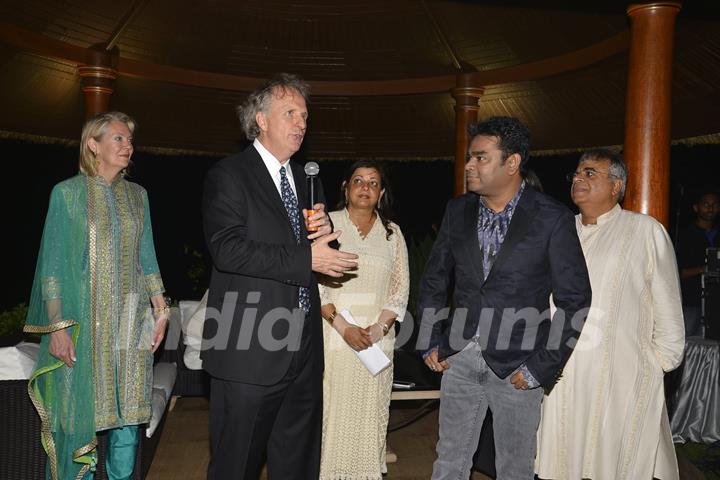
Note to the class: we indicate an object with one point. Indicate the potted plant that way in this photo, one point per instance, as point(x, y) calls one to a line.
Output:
point(11, 325)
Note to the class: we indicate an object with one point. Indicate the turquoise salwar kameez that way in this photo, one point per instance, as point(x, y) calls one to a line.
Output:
point(95, 274)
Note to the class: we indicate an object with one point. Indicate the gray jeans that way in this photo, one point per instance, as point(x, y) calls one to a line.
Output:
point(469, 387)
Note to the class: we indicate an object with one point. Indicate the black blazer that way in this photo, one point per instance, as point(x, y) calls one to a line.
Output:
point(253, 249)
point(540, 255)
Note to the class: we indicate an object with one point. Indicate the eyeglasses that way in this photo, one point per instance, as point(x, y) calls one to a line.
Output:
point(587, 174)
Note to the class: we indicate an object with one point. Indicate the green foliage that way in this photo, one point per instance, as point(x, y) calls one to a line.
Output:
point(418, 253)
point(13, 320)
point(197, 271)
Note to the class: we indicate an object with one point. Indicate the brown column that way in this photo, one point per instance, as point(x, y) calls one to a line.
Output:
point(647, 115)
point(97, 78)
point(467, 106)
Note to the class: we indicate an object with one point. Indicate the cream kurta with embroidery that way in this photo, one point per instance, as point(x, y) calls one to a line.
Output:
point(355, 404)
point(606, 418)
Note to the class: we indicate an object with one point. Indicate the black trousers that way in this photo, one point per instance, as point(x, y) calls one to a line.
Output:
point(281, 423)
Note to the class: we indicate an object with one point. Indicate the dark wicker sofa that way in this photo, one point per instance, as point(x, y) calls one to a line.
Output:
point(21, 454)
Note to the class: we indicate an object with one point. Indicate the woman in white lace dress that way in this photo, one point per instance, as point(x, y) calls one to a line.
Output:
point(356, 403)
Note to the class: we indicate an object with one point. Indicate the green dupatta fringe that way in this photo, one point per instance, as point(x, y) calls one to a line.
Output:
point(61, 298)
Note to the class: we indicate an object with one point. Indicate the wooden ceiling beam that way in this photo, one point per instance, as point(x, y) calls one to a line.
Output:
point(42, 45)
point(548, 67)
point(442, 38)
point(132, 12)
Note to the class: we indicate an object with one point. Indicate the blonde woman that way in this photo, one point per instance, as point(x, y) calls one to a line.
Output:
point(95, 279)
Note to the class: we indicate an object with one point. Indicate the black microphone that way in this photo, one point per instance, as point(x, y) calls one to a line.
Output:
point(312, 170)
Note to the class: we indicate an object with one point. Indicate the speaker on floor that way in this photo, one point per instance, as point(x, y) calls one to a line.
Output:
point(711, 307)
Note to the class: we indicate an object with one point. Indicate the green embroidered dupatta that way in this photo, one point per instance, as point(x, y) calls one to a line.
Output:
point(94, 276)
point(60, 298)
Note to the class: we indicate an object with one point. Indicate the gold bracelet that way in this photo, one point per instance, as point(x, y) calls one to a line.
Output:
point(157, 311)
point(384, 326)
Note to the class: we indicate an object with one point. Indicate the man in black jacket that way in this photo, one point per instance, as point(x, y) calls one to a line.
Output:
point(505, 248)
point(262, 339)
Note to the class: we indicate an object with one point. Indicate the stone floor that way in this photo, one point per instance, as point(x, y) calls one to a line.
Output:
point(183, 451)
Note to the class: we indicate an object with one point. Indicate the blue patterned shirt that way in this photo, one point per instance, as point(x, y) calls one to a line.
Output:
point(491, 230)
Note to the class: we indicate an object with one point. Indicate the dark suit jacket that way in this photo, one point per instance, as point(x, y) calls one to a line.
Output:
point(540, 255)
point(253, 249)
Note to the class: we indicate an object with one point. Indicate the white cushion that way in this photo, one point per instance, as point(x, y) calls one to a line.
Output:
point(193, 319)
point(158, 408)
point(18, 362)
point(164, 374)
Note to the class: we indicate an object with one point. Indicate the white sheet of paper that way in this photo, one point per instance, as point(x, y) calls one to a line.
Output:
point(372, 357)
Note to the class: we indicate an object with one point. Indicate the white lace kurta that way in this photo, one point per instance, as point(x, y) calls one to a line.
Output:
point(606, 418)
point(355, 404)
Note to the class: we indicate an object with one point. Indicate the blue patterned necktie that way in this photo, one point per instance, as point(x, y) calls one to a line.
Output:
point(291, 206)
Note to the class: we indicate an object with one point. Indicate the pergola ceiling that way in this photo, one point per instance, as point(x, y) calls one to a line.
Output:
point(219, 49)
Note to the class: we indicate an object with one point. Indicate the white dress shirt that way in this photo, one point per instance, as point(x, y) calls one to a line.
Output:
point(273, 166)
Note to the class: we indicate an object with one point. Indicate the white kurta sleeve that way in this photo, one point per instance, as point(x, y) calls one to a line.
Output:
point(668, 336)
point(399, 287)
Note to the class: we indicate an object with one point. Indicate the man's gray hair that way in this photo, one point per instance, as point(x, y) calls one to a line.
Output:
point(259, 100)
point(618, 169)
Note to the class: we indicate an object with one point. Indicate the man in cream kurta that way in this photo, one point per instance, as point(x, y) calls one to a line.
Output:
point(606, 418)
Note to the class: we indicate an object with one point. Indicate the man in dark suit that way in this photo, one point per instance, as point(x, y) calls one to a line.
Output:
point(262, 339)
point(505, 248)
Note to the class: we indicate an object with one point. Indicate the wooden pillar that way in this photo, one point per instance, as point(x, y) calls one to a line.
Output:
point(97, 77)
point(467, 106)
point(647, 115)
